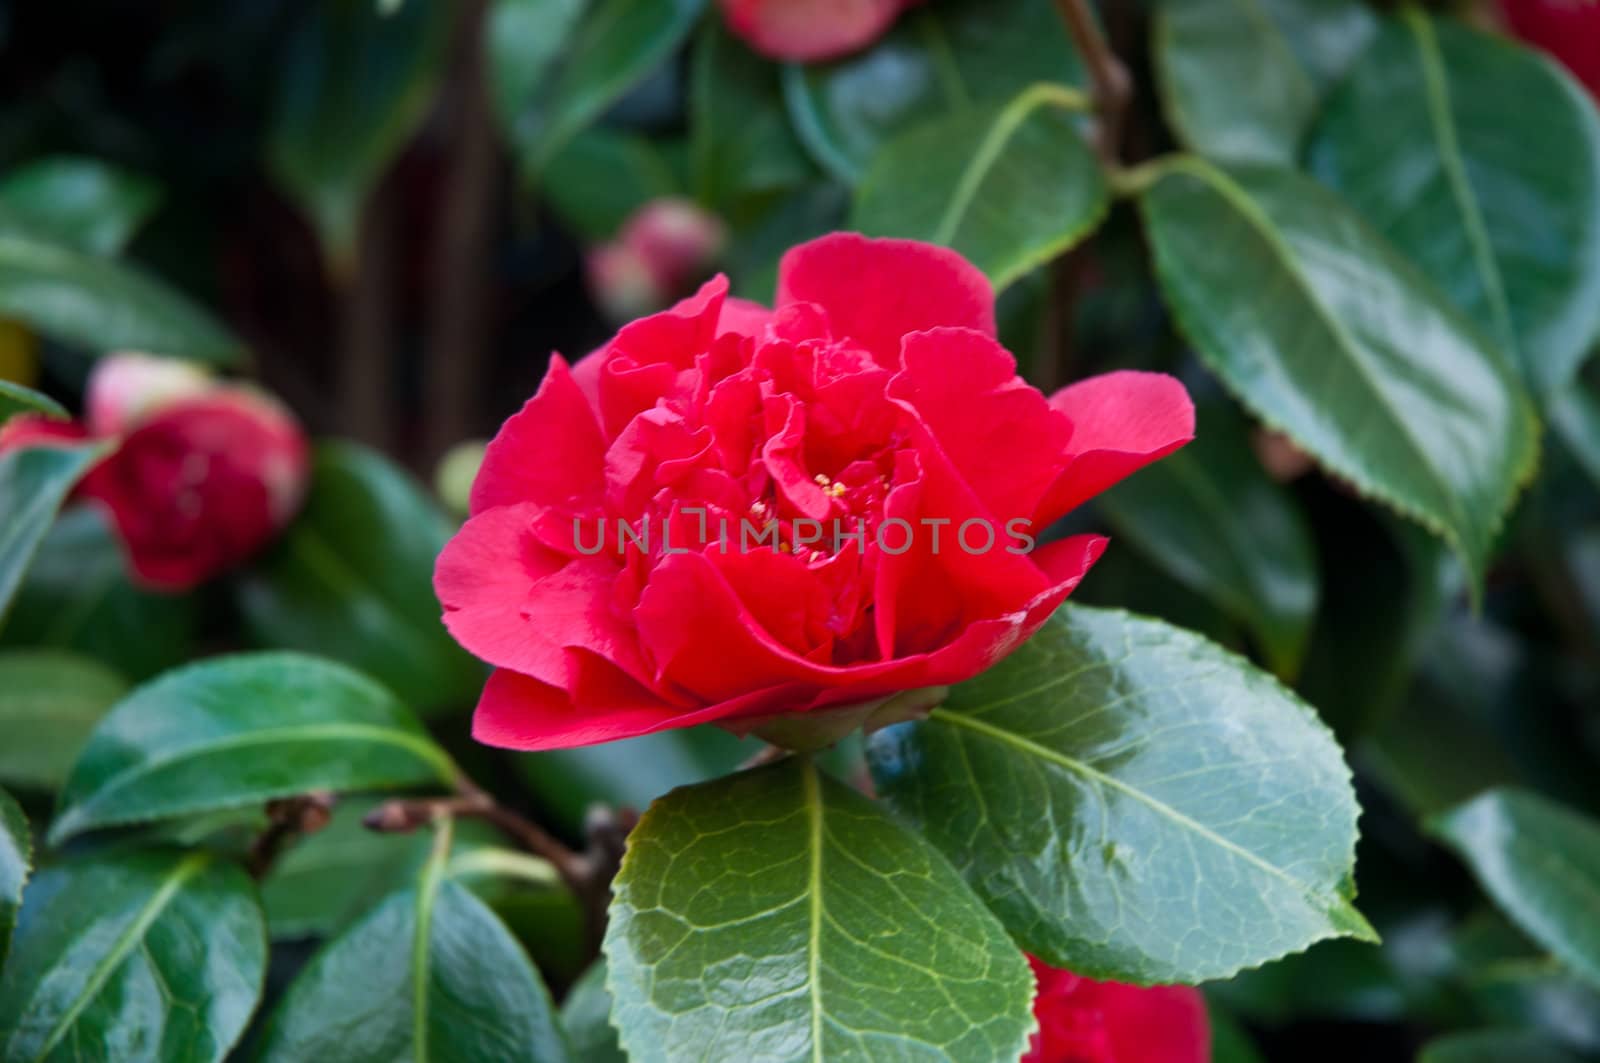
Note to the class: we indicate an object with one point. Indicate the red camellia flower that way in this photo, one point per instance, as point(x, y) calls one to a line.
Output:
point(811, 30)
point(202, 476)
point(1567, 29)
point(1083, 1021)
point(754, 516)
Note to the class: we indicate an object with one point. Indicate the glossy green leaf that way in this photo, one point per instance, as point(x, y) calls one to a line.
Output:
point(1211, 517)
point(354, 85)
point(78, 595)
point(101, 305)
point(50, 700)
point(33, 484)
point(352, 579)
point(85, 203)
point(15, 399)
point(936, 60)
point(602, 176)
point(1495, 1046)
point(16, 860)
point(523, 41)
point(1010, 186)
point(1329, 336)
point(752, 911)
point(1480, 160)
point(234, 731)
point(429, 974)
point(148, 956)
point(1541, 863)
point(586, 1013)
point(1134, 802)
point(1241, 80)
point(741, 144)
point(618, 44)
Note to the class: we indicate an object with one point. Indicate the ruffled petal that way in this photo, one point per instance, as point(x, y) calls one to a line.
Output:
point(876, 291)
point(550, 452)
point(1121, 422)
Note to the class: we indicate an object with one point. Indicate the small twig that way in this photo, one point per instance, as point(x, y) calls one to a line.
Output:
point(1109, 79)
point(287, 818)
point(586, 874)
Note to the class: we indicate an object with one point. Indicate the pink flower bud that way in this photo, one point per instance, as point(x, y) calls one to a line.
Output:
point(622, 283)
point(678, 241)
point(126, 388)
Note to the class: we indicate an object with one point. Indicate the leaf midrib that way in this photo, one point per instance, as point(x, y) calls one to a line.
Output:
point(349, 732)
point(1161, 808)
point(813, 799)
point(1227, 189)
point(124, 945)
point(982, 162)
point(1441, 118)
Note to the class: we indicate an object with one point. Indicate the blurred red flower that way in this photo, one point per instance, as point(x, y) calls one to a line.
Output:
point(874, 401)
point(811, 30)
point(203, 474)
point(1568, 29)
point(661, 251)
point(1084, 1021)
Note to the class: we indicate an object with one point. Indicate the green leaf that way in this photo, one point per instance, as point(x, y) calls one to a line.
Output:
point(16, 860)
point(430, 973)
point(1134, 802)
point(1329, 336)
point(50, 700)
point(1010, 186)
point(523, 41)
point(234, 731)
point(352, 579)
point(740, 142)
point(34, 481)
point(1241, 80)
point(151, 955)
point(936, 60)
point(1480, 160)
point(1541, 864)
point(78, 595)
point(617, 45)
point(1495, 1046)
point(766, 915)
point(86, 204)
point(101, 305)
point(1229, 1041)
point(15, 399)
point(601, 177)
point(586, 1013)
point(326, 881)
point(355, 85)
point(1212, 518)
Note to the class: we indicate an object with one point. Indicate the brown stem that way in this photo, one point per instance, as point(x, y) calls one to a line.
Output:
point(287, 818)
point(587, 874)
point(764, 755)
point(1109, 79)
point(454, 353)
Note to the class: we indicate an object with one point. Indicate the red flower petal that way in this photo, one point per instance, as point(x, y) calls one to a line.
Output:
point(1121, 422)
point(876, 291)
point(1084, 1021)
point(550, 452)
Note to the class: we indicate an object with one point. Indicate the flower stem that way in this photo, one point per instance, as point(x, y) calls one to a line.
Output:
point(1110, 83)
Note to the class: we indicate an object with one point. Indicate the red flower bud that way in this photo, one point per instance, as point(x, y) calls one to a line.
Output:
point(810, 30)
point(1084, 1021)
point(662, 250)
point(202, 485)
